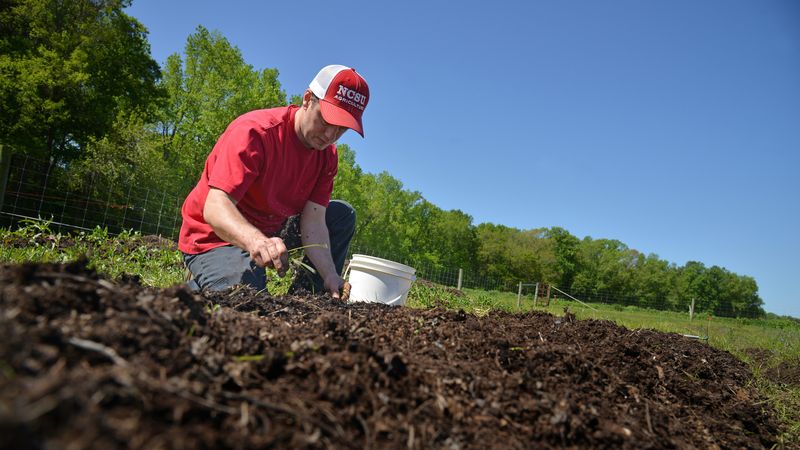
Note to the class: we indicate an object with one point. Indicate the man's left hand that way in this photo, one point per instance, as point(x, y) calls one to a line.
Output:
point(337, 287)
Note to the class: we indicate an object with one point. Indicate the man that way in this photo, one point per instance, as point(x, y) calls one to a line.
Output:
point(267, 166)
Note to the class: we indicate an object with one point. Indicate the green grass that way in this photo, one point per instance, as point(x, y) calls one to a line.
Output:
point(112, 256)
point(128, 254)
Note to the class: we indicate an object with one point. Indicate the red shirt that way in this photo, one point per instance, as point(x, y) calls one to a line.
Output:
point(261, 163)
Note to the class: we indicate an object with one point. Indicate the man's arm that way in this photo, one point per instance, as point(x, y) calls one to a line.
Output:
point(313, 230)
point(230, 225)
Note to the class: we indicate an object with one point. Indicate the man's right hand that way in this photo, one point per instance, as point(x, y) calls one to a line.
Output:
point(270, 252)
point(228, 223)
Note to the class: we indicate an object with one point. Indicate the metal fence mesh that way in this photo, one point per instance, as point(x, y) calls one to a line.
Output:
point(38, 190)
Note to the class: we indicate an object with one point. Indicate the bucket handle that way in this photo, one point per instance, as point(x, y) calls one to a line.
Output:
point(346, 271)
point(394, 300)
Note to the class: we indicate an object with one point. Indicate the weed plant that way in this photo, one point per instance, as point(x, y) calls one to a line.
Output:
point(125, 254)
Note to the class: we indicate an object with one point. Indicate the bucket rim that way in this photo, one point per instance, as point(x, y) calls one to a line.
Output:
point(368, 265)
point(381, 261)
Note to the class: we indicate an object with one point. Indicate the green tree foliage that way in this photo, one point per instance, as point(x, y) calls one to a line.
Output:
point(605, 266)
point(129, 154)
point(511, 255)
point(67, 70)
point(607, 270)
point(401, 223)
point(565, 249)
point(451, 239)
point(654, 281)
point(208, 88)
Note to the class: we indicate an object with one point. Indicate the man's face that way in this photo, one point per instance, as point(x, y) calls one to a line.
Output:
point(317, 133)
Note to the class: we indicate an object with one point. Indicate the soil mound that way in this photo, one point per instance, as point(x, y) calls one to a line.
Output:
point(87, 363)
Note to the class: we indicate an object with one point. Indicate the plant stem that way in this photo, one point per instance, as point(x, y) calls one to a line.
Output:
point(307, 246)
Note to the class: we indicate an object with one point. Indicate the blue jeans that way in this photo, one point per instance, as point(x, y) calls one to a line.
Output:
point(226, 266)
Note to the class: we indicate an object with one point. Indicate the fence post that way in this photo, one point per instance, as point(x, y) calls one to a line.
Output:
point(535, 294)
point(691, 310)
point(460, 277)
point(519, 294)
point(5, 166)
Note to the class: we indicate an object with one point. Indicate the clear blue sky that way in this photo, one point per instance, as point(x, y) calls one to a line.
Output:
point(672, 126)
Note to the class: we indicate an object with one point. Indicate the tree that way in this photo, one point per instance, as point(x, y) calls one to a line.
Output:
point(606, 267)
point(452, 237)
point(207, 89)
point(128, 154)
point(565, 248)
point(67, 70)
point(653, 282)
point(512, 255)
point(348, 183)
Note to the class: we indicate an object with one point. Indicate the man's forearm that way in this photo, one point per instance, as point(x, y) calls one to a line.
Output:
point(230, 225)
point(314, 234)
point(227, 222)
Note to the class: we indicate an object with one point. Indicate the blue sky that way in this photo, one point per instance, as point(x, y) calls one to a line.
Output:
point(673, 127)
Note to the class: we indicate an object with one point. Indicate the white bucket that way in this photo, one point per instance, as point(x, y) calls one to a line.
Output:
point(379, 280)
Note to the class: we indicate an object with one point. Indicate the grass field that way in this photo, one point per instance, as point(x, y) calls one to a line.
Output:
point(764, 344)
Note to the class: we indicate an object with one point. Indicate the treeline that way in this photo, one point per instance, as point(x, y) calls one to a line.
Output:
point(79, 87)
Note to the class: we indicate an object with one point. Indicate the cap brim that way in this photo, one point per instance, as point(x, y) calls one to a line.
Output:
point(340, 117)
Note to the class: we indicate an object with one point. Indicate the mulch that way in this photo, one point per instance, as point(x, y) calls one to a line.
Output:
point(90, 363)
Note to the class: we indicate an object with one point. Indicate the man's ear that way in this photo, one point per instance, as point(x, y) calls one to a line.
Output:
point(307, 96)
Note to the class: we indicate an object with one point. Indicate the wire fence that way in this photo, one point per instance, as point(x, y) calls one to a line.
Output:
point(538, 294)
point(38, 190)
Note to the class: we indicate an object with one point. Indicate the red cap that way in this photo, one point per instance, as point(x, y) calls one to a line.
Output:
point(343, 95)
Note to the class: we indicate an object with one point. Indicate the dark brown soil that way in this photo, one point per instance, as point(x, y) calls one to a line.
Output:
point(786, 372)
point(86, 363)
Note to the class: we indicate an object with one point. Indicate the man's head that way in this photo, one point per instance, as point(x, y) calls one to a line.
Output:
point(334, 101)
point(343, 95)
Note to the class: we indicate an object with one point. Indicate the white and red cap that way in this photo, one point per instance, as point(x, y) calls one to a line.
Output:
point(343, 95)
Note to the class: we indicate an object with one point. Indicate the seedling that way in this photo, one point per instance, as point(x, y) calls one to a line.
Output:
point(296, 260)
point(249, 358)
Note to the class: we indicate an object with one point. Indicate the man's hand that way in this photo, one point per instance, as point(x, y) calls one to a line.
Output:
point(270, 252)
point(337, 287)
point(228, 223)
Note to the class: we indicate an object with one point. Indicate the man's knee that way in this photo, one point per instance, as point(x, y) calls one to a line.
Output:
point(340, 215)
point(223, 267)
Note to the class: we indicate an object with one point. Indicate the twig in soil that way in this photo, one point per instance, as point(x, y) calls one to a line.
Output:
point(296, 414)
point(238, 288)
point(151, 383)
point(278, 311)
point(647, 416)
point(108, 352)
point(80, 279)
point(367, 436)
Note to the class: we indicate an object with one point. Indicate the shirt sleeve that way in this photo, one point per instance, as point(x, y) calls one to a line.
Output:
point(239, 159)
point(321, 194)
